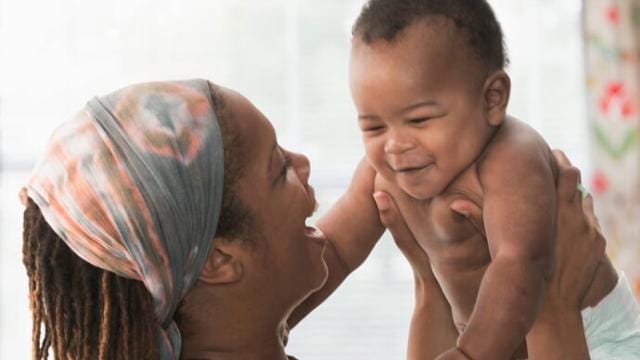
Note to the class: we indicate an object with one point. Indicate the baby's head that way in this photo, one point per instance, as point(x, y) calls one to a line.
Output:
point(428, 83)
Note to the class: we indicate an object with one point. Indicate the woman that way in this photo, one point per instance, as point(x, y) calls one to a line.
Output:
point(166, 222)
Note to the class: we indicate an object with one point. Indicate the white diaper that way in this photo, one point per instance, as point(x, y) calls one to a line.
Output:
point(612, 327)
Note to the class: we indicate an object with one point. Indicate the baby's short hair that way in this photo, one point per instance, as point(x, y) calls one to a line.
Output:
point(385, 19)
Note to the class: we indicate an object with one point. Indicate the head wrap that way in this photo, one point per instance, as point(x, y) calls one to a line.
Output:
point(133, 185)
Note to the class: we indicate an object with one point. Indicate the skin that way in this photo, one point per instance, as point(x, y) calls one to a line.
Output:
point(559, 324)
point(425, 139)
point(246, 292)
point(557, 332)
point(435, 130)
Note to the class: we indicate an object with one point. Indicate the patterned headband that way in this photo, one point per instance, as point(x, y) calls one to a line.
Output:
point(133, 185)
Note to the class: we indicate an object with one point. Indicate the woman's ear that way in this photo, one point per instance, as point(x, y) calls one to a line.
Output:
point(497, 89)
point(223, 266)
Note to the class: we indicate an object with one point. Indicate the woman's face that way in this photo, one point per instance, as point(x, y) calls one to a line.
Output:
point(287, 257)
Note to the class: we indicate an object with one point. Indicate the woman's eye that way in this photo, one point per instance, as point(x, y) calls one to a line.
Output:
point(286, 164)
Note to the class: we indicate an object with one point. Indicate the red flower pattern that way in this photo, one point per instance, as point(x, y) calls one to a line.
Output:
point(599, 182)
point(613, 14)
point(616, 91)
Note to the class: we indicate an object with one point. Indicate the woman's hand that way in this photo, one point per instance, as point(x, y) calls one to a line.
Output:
point(432, 331)
point(558, 332)
point(579, 245)
point(391, 218)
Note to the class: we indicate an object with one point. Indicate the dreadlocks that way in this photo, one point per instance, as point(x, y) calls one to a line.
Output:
point(79, 310)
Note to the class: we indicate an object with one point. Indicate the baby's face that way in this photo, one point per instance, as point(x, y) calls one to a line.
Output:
point(420, 107)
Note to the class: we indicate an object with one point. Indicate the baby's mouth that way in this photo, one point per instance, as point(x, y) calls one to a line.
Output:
point(411, 169)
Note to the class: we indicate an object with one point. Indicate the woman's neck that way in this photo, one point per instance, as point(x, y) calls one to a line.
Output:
point(222, 334)
point(262, 350)
point(230, 324)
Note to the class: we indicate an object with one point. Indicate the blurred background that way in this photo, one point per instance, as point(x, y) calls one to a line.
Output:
point(578, 88)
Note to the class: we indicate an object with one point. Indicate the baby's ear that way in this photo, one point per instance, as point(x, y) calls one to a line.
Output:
point(497, 89)
point(223, 265)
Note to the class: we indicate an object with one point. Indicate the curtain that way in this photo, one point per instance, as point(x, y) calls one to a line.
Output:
point(612, 37)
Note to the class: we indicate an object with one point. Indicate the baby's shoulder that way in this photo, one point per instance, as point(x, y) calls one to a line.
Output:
point(516, 135)
point(515, 147)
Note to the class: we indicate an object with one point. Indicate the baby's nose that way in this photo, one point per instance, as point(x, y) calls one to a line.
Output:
point(398, 143)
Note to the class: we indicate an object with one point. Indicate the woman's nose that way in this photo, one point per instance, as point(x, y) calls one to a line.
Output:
point(302, 166)
point(397, 143)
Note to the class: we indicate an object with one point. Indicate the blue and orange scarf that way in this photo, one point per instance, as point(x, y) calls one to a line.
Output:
point(133, 185)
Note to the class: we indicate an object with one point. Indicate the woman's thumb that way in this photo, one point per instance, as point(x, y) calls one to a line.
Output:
point(384, 208)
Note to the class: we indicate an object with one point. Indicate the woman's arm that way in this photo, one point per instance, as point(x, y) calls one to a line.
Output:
point(432, 330)
point(558, 332)
point(352, 229)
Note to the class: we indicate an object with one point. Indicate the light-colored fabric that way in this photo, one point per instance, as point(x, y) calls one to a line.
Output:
point(612, 39)
point(133, 185)
point(612, 327)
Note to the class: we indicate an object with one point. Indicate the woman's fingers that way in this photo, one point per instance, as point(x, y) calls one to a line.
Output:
point(561, 157)
point(392, 219)
point(568, 178)
point(471, 211)
point(594, 225)
point(579, 245)
point(589, 212)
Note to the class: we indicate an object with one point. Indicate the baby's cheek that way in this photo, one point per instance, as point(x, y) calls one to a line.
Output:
point(375, 158)
point(383, 182)
point(374, 146)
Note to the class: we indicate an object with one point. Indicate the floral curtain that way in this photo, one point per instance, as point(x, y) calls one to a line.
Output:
point(612, 37)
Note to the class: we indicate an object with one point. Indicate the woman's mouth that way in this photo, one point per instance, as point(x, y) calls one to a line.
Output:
point(315, 234)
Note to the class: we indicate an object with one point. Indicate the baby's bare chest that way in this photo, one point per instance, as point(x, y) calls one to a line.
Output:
point(448, 236)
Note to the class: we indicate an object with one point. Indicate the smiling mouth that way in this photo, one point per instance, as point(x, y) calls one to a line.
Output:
point(412, 169)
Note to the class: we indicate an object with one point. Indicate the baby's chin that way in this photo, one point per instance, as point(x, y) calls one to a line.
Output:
point(419, 192)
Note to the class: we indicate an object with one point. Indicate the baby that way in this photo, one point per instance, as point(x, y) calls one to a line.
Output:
point(427, 79)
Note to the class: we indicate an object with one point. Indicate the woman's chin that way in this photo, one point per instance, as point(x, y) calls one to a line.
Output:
point(324, 274)
point(318, 245)
point(321, 270)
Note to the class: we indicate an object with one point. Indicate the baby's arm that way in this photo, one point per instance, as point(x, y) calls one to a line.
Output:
point(519, 212)
point(352, 228)
point(352, 225)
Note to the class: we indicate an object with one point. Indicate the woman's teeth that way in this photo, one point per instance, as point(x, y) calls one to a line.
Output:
point(314, 233)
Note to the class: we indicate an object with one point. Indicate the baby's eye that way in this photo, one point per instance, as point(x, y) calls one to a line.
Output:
point(373, 128)
point(419, 120)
